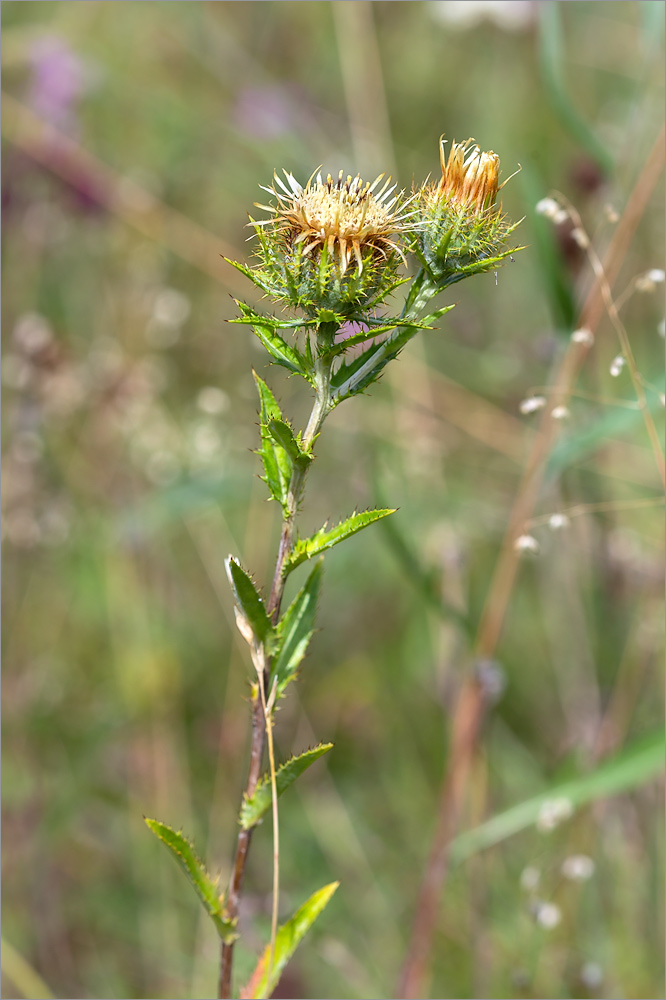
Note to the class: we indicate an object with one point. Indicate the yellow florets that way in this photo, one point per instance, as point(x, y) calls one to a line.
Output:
point(345, 215)
point(469, 177)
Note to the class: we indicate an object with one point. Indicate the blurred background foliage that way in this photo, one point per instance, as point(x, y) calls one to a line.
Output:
point(135, 138)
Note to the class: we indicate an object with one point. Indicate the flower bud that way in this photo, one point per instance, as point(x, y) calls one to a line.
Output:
point(461, 228)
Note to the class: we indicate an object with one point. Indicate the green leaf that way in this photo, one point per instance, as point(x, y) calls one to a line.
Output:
point(283, 435)
point(278, 465)
point(289, 936)
point(280, 351)
point(205, 887)
point(295, 630)
point(257, 805)
point(249, 600)
point(306, 548)
point(356, 376)
point(628, 769)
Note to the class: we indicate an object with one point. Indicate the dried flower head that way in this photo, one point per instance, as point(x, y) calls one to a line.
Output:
point(462, 228)
point(345, 215)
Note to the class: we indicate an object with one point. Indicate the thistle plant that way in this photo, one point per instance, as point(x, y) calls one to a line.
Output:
point(328, 257)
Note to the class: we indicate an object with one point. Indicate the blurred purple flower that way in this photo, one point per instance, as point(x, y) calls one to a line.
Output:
point(58, 80)
point(351, 329)
point(264, 112)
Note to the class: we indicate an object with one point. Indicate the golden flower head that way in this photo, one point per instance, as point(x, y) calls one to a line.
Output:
point(470, 177)
point(345, 215)
point(461, 228)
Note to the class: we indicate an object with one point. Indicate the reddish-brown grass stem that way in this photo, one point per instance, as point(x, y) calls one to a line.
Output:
point(473, 701)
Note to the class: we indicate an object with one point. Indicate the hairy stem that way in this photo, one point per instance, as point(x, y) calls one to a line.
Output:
point(261, 713)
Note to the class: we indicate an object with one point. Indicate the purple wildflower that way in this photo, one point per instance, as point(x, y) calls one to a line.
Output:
point(58, 80)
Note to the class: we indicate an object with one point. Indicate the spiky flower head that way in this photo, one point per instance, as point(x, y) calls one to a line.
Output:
point(332, 244)
point(462, 229)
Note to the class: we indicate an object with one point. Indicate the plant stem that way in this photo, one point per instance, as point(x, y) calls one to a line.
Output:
point(261, 720)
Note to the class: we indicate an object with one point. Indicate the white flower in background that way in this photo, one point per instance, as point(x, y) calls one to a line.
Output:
point(578, 867)
point(171, 309)
point(556, 522)
point(32, 333)
point(531, 404)
point(648, 281)
point(617, 364)
point(526, 545)
point(509, 15)
point(583, 336)
point(552, 813)
point(530, 878)
point(212, 400)
point(548, 915)
point(592, 975)
point(547, 207)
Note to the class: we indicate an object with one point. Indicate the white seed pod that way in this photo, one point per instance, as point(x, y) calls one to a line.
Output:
point(578, 867)
point(580, 237)
point(552, 813)
point(548, 915)
point(526, 545)
point(531, 404)
point(583, 336)
point(556, 522)
point(560, 413)
point(617, 364)
point(547, 207)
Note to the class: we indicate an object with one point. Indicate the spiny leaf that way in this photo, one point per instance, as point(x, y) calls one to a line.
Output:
point(306, 548)
point(381, 327)
point(295, 630)
point(249, 600)
point(356, 376)
point(283, 435)
point(205, 887)
point(277, 463)
point(278, 348)
point(289, 936)
point(257, 805)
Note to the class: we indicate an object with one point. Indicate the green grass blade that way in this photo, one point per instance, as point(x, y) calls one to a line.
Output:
point(23, 976)
point(205, 887)
point(258, 804)
point(630, 768)
point(552, 64)
point(289, 936)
